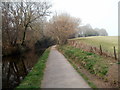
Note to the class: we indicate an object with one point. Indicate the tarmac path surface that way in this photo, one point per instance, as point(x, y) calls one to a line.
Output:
point(60, 74)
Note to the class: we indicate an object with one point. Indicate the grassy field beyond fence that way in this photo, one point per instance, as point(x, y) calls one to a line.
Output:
point(107, 43)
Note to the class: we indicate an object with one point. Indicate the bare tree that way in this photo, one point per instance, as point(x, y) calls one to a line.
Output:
point(102, 32)
point(60, 27)
point(32, 12)
point(18, 17)
point(87, 30)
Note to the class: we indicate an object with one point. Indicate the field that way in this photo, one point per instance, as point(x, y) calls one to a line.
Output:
point(107, 42)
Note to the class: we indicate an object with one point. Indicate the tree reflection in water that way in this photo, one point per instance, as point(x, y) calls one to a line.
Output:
point(15, 68)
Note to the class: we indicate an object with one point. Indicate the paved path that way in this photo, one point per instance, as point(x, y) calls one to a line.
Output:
point(60, 74)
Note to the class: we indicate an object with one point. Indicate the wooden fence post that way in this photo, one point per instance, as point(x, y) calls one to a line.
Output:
point(95, 48)
point(100, 50)
point(91, 49)
point(115, 53)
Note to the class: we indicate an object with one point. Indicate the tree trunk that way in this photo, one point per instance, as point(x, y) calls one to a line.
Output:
point(24, 35)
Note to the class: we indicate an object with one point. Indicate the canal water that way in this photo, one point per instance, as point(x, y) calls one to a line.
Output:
point(15, 68)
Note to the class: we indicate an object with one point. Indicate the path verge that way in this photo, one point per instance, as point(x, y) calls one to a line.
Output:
point(34, 78)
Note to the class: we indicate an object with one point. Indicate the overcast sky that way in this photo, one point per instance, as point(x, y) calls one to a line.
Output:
point(97, 13)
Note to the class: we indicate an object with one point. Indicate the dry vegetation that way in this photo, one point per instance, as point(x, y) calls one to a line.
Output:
point(60, 27)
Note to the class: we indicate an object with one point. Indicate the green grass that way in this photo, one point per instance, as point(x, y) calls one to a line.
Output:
point(34, 78)
point(95, 64)
point(107, 42)
point(90, 83)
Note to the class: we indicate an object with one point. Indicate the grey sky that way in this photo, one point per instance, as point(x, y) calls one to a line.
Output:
point(97, 13)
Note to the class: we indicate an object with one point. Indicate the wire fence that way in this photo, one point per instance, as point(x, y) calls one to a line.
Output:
point(97, 50)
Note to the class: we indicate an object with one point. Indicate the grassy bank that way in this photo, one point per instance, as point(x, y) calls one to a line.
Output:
point(34, 78)
point(92, 66)
point(107, 42)
point(90, 83)
point(94, 63)
point(70, 56)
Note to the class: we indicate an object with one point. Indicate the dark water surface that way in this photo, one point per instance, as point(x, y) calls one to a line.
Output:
point(15, 68)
